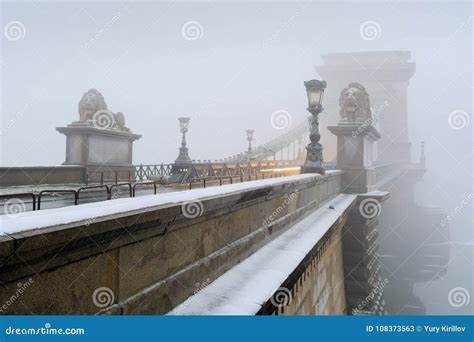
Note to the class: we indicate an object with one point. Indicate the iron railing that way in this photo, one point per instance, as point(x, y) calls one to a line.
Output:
point(241, 178)
point(38, 198)
point(203, 169)
point(144, 172)
point(20, 195)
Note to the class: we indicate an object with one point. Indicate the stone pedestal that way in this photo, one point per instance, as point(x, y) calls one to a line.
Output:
point(106, 151)
point(313, 163)
point(355, 146)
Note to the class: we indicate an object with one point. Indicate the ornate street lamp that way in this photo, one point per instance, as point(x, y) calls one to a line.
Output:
point(314, 155)
point(183, 157)
point(250, 138)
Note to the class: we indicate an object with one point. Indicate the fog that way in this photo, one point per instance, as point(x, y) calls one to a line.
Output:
point(247, 61)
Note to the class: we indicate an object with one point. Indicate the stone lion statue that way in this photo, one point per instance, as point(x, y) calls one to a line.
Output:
point(355, 104)
point(93, 110)
point(91, 102)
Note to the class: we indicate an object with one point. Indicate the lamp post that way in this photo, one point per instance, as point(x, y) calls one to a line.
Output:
point(300, 156)
point(249, 138)
point(422, 157)
point(183, 157)
point(314, 150)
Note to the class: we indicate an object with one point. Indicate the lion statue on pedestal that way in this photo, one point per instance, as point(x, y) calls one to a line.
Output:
point(93, 111)
point(355, 104)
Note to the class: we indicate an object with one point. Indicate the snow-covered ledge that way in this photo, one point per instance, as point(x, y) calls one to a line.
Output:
point(146, 250)
point(85, 213)
point(244, 289)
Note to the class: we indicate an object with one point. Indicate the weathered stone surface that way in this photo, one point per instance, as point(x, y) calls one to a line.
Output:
point(319, 287)
point(34, 175)
point(141, 264)
point(182, 247)
point(65, 290)
point(234, 225)
point(151, 259)
point(7, 245)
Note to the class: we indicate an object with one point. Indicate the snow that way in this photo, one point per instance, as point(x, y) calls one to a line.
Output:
point(67, 215)
point(247, 286)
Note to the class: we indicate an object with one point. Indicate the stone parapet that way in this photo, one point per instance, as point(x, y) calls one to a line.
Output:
point(362, 277)
point(36, 175)
point(150, 259)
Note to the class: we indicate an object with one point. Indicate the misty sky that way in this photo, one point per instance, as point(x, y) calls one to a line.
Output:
point(249, 60)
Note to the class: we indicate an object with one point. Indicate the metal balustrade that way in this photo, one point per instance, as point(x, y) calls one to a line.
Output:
point(144, 172)
point(203, 169)
point(230, 178)
point(20, 195)
point(38, 198)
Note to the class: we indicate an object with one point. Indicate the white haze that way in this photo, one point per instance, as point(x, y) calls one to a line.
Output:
point(251, 60)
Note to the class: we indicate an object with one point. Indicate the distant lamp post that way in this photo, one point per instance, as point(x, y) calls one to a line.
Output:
point(422, 156)
point(314, 150)
point(183, 157)
point(250, 138)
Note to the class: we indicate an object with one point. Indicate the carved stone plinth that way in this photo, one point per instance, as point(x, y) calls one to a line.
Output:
point(105, 151)
point(183, 157)
point(99, 140)
point(355, 144)
point(313, 163)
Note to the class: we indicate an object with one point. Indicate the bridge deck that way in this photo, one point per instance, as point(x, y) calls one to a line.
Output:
point(60, 217)
point(246, 287)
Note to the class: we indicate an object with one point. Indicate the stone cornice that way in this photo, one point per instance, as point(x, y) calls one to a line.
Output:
point(368, 73)
point(90, 130)
point(355, 129)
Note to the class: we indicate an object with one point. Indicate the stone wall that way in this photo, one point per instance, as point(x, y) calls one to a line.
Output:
point(317, 286)
point(148, 261)
point(34, 175)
